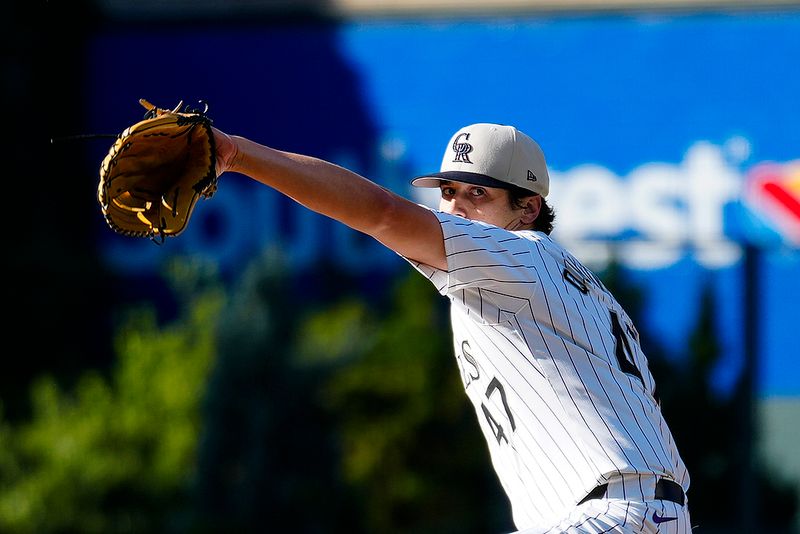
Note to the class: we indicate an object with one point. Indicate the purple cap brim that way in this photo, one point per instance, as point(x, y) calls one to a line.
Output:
point(434, 179)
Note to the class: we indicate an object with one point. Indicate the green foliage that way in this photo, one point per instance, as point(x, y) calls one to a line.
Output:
point(266, 446)
point(115, 453)
point(262, 406)
point(410, 447)
point(352, 409)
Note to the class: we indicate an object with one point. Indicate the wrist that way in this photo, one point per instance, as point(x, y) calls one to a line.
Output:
point(227, 150)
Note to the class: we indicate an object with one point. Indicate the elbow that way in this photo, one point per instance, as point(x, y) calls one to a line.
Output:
point(387, 211)
point(408, 229)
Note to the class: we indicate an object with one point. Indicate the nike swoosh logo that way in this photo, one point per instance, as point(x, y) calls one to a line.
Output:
point(658, 519)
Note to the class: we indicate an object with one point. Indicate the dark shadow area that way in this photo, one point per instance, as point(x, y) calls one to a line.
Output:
point(278, 79)
point(62, 297)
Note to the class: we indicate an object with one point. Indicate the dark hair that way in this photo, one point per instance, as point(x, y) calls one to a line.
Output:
point(544, 222)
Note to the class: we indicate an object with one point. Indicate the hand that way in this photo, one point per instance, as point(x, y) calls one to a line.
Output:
point(227, 151)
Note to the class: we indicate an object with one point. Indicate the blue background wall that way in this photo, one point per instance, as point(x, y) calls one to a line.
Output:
point(621, 94)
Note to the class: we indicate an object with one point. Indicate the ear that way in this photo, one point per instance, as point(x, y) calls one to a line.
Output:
point(530, 211)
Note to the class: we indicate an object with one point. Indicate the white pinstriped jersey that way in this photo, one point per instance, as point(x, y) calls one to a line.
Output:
point(553, 367)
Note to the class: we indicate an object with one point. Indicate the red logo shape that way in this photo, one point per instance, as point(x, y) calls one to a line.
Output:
point(773, 190)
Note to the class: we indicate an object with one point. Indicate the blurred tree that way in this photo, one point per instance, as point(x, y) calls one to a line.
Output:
point(707, 428)
point(266, 458)
point(347, 418)
point(411, 448)
point(115, 454)
point(706, 424)
point(335, 413)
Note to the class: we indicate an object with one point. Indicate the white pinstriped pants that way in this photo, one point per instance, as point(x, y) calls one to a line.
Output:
point(613, 513)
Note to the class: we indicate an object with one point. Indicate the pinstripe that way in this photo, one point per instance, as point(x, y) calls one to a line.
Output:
point(522, 423)
point(493, 266)
point(624, 520)
point(483, 371)
point(646, 512)
point(625, 396)
point(481, 250)
point(561, 377)
point(496, 280)
point(560, 408)
point(522, 420)
point(593, 368)
point(659, 433)
point(632, 383)
point(665, 458)
point(550, 354)
point(622, 391)
point(588, 459)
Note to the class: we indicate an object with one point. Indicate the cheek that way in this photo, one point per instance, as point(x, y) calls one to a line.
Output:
point(500, 214)
point(489, 207)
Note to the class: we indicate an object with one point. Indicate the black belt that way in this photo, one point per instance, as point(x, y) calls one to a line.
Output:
point(666, 490)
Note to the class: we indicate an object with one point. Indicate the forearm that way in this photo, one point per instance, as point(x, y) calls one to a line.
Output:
point(319, 185)
point(331, 190)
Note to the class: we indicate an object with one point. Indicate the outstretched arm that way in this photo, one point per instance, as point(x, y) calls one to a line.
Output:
point(403, 226)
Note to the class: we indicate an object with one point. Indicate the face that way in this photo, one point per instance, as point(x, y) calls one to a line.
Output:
point(487, 204)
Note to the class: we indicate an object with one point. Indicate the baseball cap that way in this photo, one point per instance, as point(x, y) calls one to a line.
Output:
point(492, 155)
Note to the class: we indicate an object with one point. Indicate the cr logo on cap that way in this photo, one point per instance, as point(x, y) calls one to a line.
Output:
point(462, 149)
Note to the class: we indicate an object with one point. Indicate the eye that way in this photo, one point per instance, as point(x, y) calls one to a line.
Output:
point(448, 191)
point(478, 191)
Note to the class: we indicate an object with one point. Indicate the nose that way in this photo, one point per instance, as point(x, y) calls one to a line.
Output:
point(453, 206)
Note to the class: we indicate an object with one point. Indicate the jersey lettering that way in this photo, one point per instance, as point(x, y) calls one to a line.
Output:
point(622, 348)
point(542, 336)
point(575, 280)
point(579, 276)
point(624, 353)
point(468, 365)
point(497, 428)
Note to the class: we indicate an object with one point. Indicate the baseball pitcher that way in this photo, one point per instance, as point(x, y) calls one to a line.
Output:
point(548, 357)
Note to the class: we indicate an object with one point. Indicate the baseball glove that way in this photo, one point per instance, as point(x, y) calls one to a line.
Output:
point(156, 171)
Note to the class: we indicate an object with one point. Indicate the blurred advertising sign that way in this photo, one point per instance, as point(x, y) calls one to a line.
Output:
point(672, 141)
point(703, 207)
point(773, 192)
